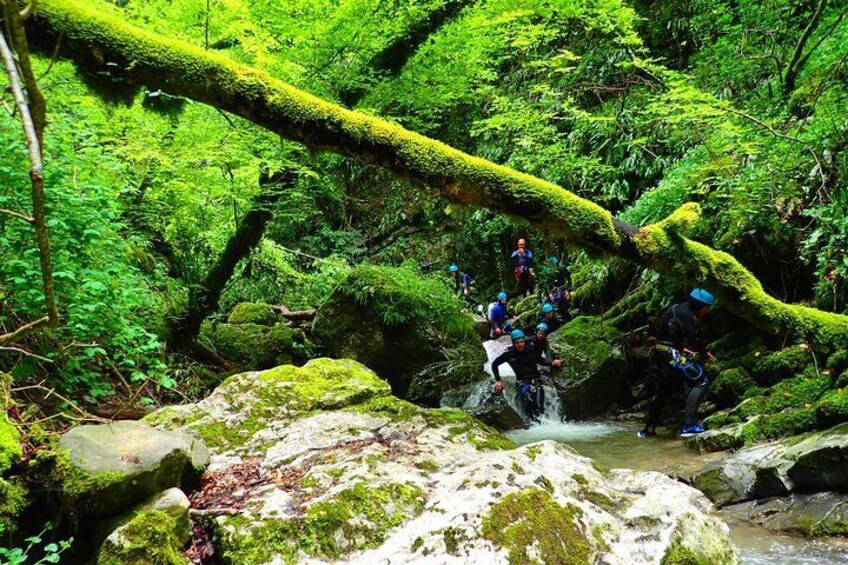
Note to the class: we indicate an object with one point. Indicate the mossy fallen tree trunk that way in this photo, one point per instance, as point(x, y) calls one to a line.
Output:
point(97, 40)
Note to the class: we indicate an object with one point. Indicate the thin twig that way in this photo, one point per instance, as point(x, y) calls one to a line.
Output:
point(23, 217)
point(54, 57)
point(27, 353)
point(24, 330)
point(52, 392)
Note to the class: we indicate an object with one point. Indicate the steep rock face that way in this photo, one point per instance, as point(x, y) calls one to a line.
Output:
point(322, 464)
point(594, 377)
point(408, 329)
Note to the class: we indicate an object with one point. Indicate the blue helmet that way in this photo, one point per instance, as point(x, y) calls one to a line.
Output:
point(547, 308)
point(702, 296)
point(542, 326)
point(553, 260)
point(453, 269)
point(516, 335)
point(501, 296)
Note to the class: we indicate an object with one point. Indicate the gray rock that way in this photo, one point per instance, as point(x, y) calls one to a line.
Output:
point(498, 414)
point(110, 467)
point(809, 515)
point(752, 473)
point(595, 373)
point(820, 460)
point(722, 439)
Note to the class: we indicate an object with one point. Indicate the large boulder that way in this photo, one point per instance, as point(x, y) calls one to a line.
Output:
point(820, 460)
point(321, 464)
point(595, 374)
point(399, 323)
point(498, 414)
point(172, 502)
point(253, 313)
point(104, 469)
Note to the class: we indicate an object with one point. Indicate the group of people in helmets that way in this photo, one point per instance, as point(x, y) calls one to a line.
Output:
point(678, 350)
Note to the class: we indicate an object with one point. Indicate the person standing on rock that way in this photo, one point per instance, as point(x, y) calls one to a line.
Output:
point(498, 315)
point(522, 262)
point(678, 349)
point(524, 358)
point(462, 282)
point(559, 293)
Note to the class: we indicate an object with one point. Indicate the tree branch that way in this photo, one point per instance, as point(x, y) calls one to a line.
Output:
point(794, 66)
point(95, 39)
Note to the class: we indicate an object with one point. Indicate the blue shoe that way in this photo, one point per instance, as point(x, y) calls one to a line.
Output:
point(644, 434)
point(692, 430)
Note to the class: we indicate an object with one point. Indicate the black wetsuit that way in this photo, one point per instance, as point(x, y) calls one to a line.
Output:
point(677, 330)
point(553, 324)
point(525, 365)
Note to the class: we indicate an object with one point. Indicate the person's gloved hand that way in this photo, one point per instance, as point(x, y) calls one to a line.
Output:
point(498, 387)
point(556, 363)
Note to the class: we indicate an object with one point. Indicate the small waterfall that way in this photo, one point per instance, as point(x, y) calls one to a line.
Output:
point(482, 392)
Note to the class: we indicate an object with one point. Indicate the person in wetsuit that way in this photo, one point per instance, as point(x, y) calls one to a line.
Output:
point(524, 357)
point(559, 291)
point(549, 317)
point(680, 354)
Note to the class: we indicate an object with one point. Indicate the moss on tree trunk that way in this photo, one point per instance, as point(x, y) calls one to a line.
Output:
point(96, 38)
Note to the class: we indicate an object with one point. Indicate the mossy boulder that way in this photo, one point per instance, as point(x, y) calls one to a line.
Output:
point(595, 374)
point(104, 469)
point(253, 313)
point(341, 470)
point(397, 322)
point(757, 472)
point(820, 460)
point(730, 386)
point(173, 502)
point(148, 539)
point(253, 346)
point(780, 365)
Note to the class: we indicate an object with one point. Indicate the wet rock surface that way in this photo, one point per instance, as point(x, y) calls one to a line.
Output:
point(321, 464)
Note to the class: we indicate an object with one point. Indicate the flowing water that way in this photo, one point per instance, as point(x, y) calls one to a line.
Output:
point(615, 445)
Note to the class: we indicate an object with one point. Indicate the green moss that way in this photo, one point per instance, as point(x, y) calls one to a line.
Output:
point(253, 313)
point(13, 501)
point(356, 518)
point(10, 443)
point(453, 538)
point(730, 386)
point(780, 365)
point(147, 539)
point(535, 529)
point(832, 409)
point(252, 346)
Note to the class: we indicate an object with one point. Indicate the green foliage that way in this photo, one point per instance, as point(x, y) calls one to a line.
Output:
point(38, 551)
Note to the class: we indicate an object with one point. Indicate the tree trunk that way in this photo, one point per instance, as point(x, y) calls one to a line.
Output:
point(95, 39)
point(203, 299)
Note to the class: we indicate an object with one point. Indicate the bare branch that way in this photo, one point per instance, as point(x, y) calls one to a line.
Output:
point(14, 214)
point(22, 331)
point(27, 353)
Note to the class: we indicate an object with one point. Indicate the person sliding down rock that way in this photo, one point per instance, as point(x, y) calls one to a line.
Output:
point(524, 358)
point(522, 262)
point(462, 283)
point(549, 318)
point(680, 354)
point(498, 316)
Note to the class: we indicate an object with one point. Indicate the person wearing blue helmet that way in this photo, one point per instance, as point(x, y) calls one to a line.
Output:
point(680, 353)
point(540, 338)
point(555, 280)
point(498, 316)
point(549, 317)
point(462, 282)
point(524, 358)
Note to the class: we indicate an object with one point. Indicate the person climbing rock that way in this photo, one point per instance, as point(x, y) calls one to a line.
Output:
point(680, 354)
point(462, 282)
point(498, 316)
point(540, 339)
point(522, 262)
point(559, 287)
point(524, 358)
point(549, 317)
